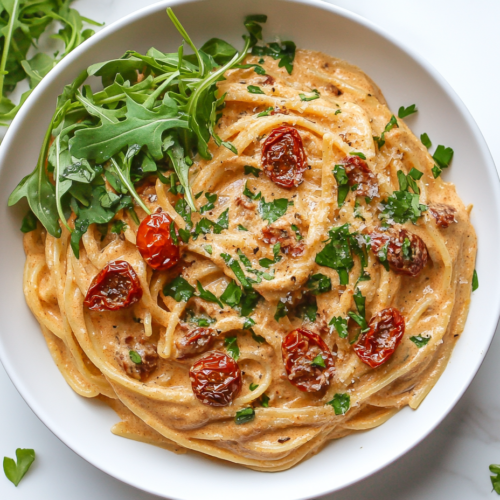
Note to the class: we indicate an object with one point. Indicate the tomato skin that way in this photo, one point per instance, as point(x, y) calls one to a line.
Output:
point(444, 214)
point(194, 342)
point(283, 157)
point(361, 176)
point(155, 243)
point(115, 287)
point(397, 261)
point(377, 345)
point(299, 348)
point(215, 379)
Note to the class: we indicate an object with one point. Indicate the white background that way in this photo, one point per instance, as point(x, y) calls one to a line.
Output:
point(462, 40)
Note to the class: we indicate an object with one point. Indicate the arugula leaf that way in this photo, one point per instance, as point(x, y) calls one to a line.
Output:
point(475, 281)
point(14, 472)
point(340, 325)
point(425, 140)
point(207, 295)
point(273, 210)
point(231, 344)
point(221, 51)
point(281, 311)
point(318, 361)
point(179, 289)
point(232, 294)
point(29, 222)
point(443, 156)
point(319, 283)
point(249, 170)
point(342, 182)
point(420, 341)
point(404, 112)
point(244, 416)
point(340, 403)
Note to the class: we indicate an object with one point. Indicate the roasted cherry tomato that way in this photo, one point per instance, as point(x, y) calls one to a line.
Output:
point(115, 287)
point(283, 157)
point(154, 241)
point(138, 357)
point(304, 354)
point(215, 379)
point(361, 176)
point(406, 252)
point(377, 345)
point(194, 342)
point(444, 214)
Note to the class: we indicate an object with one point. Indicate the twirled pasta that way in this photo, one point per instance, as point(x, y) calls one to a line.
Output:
point(162, 409)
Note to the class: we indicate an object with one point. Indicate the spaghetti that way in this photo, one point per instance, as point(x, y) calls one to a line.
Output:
point(313, 303)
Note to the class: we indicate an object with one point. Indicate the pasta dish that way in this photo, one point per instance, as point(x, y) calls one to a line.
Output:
point(245, 254)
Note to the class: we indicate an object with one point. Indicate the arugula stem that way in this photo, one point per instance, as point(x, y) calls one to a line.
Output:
point(152, 98)
point(129, 186)
point(6, 47)
point(57, 173)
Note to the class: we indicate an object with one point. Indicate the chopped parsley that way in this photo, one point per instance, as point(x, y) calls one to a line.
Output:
point(475, 281)
point(231, 345)
point(404, 112)
point(208, 249)
point(207, 295)
point(319, 283)
point(338, 111)
point(443, 156)
point(179, 289)
point(281, 311)
point(249, 193)
point(258, 338)
point(231, 295)
point(118, 226)
point(310, 310)
point(381, 140)
point(285, 52)
point(266, 112)
point(249, 170)
point(273, 210)
point(264, 400)
point(495, 480)
point(360, 155)
point(253, 89)
point(14, 472)
point(135, 357)
point(234, 265)
point(241, 228)
point(436, 171)
point(203, 320)
point(316, 95)
point(244, 416)
point(340, 403)
point(253, 386)
point(318, 361)
point(248, 323)
point(425, 140)
point(342, 183)
point(340, 325)
point(297, 232)
point(211, 198)
point(420, 341)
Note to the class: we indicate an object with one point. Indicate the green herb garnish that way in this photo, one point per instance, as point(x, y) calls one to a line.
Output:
point(281, 311)
point(443, 156)
point(273, 210)
point(253, 89)
point(179, 289)
point(342, 184)
point(135, 357)
point(381, 140)
point(244, 416)
point(475, 281)
point(249, 170)
point(231, 344)
point(495, 480)
point(425, 140)
point(340, 403)
point(316, 95)
point(318, 361)
point(340, 325)
point(319, 283)
point(404, 112)
point(14, 472)
point(253, 386)
point(420, 341)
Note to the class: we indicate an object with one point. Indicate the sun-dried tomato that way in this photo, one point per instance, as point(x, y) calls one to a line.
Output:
point(194, 342)
point(283, 157)
point(377, 345)
point(155, 243)
point(361, 176)
point(215, 379)
point(272, 235)
point(405, 252)
point(444, 214)
point(115, 287)
point(268, 81)
point(304, 354)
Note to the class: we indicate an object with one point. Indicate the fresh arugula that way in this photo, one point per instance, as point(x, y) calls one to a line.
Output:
point(16, 471)
point(29, 222)
point(340, 403)
point(404, 112)
point(231, 344)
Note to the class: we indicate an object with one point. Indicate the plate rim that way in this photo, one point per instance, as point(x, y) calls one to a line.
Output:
point(416, 57)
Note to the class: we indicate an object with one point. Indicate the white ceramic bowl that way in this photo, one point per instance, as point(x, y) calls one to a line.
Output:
point(405, 79)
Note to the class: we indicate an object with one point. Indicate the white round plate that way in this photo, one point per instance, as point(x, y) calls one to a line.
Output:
point(84, 425)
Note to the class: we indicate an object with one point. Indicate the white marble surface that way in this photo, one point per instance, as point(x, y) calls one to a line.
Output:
point(462, 40)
